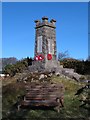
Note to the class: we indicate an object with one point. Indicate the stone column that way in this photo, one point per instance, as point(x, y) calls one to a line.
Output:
point(45, 38)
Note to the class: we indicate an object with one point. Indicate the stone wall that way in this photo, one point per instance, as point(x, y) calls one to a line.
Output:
point(46, 31)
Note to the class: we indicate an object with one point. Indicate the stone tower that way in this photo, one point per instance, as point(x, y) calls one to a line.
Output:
point(45, 38)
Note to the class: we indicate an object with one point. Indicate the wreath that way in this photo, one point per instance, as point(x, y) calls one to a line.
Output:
point(36, 58)
point(49, 56)
point(39, 57)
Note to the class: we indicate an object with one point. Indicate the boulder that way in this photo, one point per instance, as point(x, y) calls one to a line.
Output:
point(25, 78)
point(50, 74)
point(45, 76)
point(41, 76)
point(57, 74)
point(76, 76)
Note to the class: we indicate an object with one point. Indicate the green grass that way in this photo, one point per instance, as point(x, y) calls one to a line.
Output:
point(71, 107)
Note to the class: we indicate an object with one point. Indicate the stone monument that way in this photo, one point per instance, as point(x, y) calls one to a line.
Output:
point(45, 39)
point(45, 55)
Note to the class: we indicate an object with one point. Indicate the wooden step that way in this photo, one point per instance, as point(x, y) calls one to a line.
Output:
point(43, 93)
point(36, 89)
point(39, 103)
point(41, 97)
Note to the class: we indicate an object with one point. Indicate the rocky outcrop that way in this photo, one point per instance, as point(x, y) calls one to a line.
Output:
point(71, 74)
point(42, 71)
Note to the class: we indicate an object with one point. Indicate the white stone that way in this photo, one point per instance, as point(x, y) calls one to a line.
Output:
point(41, 76)
point(32, 79)
point(2, 75)
point(24, 81)
point(49, 75)
point(45, 76)
point(57, 74)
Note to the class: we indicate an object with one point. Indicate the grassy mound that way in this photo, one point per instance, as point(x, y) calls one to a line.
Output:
point(71, 109)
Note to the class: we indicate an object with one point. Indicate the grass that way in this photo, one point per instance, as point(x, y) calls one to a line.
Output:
point(71, 107)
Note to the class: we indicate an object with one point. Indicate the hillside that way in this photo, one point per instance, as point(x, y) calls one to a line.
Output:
point(6, 61)
point(12, 90)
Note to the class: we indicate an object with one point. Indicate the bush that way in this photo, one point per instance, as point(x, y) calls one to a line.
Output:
point(16, 68)
point(81, 67)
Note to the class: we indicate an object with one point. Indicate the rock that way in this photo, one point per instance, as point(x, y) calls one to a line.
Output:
point(45, 76)
point(38, 71)
point(53, 70)
point(76, 76)
point(18, 80)
point(50, 74)
point(57, 74)
point(67, 77)
point(41, 76)
point(67, 71)
point(71, 74)
point(62, 75)
point(24, 81)
point(83, 77)
point(25, 78)
point(37, 66)
point(32, 79)
point(61, 66)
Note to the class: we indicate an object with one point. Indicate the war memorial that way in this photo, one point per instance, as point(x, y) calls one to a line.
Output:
point(45, 53)
point(45, 39)
point(45, 43)
point(45, 64)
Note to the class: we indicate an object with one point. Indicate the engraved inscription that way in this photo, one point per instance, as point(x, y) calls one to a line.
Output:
point(50, 46)
point(39, 44)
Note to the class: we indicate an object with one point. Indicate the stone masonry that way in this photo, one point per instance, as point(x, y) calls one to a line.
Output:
point(45, 43)
point(45, 38)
